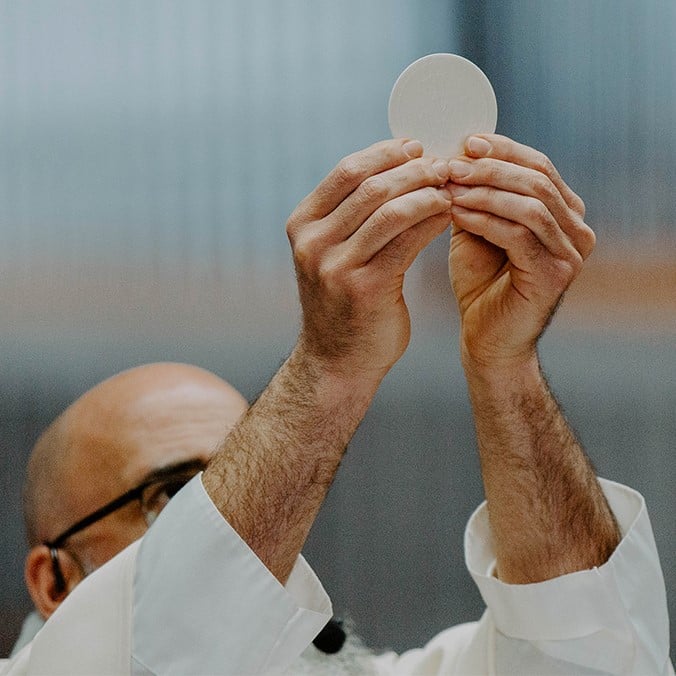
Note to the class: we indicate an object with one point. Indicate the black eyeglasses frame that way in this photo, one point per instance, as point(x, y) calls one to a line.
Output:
point(184, 469)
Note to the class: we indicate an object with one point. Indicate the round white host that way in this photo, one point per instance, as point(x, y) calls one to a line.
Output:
point(440, 100)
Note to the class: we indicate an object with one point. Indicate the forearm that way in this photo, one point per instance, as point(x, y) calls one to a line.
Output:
point(353, 239)
point(547, 512)
point(273, 472)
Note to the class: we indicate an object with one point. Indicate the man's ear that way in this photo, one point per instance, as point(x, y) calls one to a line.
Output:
point(42, 582)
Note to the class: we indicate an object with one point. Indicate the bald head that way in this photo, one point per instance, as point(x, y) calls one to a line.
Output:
point(138, 421)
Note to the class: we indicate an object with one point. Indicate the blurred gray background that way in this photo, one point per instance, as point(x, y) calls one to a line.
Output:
point(150, 153)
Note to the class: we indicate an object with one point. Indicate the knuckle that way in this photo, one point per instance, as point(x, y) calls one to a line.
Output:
point(390, 148)
point(426, 198)
point(538, 213)
point(580, 207)
point(490, 195)
point(304, 251)
point(374, 188)
point(328, 274)
point(542, 186)
point(565, 270)
point(349, 170)
point(388, 213)
point(544, 165)
point(588, 241)
point(293, 225)
point(576, 261)
point(441, 202)
point(591, 237)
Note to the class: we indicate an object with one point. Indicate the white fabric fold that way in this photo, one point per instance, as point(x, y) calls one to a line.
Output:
point(603, 619)
point(90, 633)
point(204, 604)
point(199, 586)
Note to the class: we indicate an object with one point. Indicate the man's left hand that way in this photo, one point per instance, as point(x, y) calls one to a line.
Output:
point(519, 240)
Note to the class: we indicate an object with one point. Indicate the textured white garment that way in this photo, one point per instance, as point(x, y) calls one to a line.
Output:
point(608, 620)
point(238, 619)
point(189, 597)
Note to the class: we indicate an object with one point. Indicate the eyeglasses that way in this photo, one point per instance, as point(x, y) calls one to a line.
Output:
point(153, 495)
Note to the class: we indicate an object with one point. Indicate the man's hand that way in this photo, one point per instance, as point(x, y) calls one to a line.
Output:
point(519, 240)
point(353, 239)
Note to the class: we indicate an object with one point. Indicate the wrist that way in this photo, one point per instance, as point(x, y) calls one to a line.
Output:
point(344, 370)
point(332, 383)
point(501, 373)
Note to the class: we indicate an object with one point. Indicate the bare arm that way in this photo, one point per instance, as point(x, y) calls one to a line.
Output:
point(519, 241)
point(353, 239)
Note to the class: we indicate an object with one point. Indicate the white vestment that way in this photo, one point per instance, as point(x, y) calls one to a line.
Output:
point(191, 598)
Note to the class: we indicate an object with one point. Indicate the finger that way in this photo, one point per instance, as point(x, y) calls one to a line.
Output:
point(521, 209)
point(351, 171)
point(523, 248)
point(503, 148)
point(379, 189)
point(529, 182)
point(400, 253)
point(393, 218)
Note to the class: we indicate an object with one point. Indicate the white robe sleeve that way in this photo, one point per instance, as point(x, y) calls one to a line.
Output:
point(608, 620)
point(189, 598)
point(205, 604)
point(89, 634)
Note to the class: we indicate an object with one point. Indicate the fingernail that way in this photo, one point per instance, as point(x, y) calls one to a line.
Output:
point(478, 146)
point(412, 149)
point(441, 169)
point(458, 168)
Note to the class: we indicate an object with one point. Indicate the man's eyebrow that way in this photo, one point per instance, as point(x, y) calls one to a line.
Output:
point(194, 465)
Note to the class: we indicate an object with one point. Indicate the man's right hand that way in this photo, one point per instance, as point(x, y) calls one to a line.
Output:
point(353, 238)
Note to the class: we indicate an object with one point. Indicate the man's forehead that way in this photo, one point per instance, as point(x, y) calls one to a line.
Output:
point(130, 429)
point(158, 437)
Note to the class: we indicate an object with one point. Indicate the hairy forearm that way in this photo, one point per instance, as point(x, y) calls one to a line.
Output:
point(547, 512)
point(353, 239)
point(273, 472)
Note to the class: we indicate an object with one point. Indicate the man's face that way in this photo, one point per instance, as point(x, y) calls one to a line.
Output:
point(127, 432)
